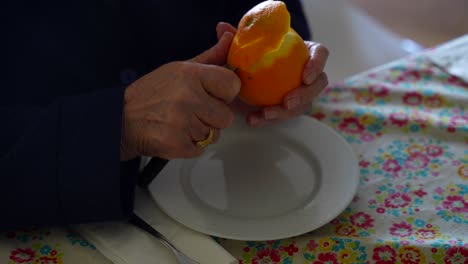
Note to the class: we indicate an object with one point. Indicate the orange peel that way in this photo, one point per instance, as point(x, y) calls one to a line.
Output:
point(268, 55)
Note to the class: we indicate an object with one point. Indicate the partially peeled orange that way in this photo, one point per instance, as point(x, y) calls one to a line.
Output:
point(267, 54)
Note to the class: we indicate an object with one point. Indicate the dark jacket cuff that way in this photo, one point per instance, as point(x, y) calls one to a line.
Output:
point(93, 184)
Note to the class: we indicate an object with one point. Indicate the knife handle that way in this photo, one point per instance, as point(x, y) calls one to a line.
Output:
point(151, 171)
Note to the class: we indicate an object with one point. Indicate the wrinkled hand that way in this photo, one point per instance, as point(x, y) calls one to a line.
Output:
point(169, 109)
point(298, 101)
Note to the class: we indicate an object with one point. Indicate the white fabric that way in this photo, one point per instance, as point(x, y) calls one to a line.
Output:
point(454, 62)
point(123, 243)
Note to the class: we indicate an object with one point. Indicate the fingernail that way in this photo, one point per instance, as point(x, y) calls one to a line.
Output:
point(222, 37)
point(293, 103)
point(225, 35)
point(271, 114)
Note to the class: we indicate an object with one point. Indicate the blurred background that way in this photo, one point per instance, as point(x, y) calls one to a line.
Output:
point(362, 34)
point(429, 22)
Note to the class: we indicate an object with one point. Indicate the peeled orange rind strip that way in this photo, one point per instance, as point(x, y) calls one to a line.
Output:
point(266, 25)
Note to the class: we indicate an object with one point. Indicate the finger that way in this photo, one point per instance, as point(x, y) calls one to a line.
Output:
point(170, 143)
point(224, 27)
point(214, 113)
point(264, 118)
point(219, 82)
point(316, 63)
point(279, 113)
point(241, 107)
point(217, 54)
point(214, 138)
point(216, 135)
point(305, 94)
point(196, 129)
point(195, 118)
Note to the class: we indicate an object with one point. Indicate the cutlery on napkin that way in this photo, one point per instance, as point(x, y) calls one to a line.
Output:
point(453, 57)
point(123, 243)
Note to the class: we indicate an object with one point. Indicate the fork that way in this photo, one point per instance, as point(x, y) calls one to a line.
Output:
point(141, 224)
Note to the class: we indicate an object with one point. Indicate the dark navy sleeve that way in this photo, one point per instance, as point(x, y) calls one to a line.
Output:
point(61, 105)
point(60, 164)
point(298, 20)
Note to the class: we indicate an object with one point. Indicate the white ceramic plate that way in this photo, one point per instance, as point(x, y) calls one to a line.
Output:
point(262, 184)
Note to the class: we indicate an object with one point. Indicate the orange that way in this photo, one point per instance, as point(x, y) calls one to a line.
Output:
point(267, 54)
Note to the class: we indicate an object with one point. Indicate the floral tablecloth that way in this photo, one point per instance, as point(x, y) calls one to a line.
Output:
point(408, 122)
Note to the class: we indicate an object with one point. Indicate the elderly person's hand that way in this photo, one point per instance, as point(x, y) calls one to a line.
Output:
point(298, 101)
point(170, 109)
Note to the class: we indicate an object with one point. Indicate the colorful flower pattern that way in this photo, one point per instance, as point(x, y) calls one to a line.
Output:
point(360, 126)
point(411, 255)
point(353, 224)
point(371, 94)
point(415, 158)
point(269, 252)
point(397, 200)
point(384, 255)
point(398, 253)
point(453, 255)
point(28, 234)
point(334, 250)
point(37, 254)
point(417, 231)
point(452, 203)
point(462, 165)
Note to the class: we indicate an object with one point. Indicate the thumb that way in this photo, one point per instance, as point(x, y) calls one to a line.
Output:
point(217, 54)
point(223, 27)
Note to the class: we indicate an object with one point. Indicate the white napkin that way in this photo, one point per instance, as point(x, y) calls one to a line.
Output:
point(123, 243)
point(453, 57)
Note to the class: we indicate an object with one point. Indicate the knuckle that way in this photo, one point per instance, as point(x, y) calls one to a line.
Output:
point(177, 66)
point(184, 68)
point(230, 82)
point(171, 111)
